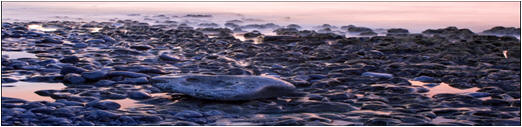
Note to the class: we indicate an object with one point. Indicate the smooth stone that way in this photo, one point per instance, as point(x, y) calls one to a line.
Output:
point(56, 121)
point(147, 119)
point(33, 105)
point(139, 80)
point(382, 122)
point(141, 47)
point(45, 92)
point(73, 78)
point(422, 90)
point(80, 45)
point(50, 40)
point(127, 120)
point(101, 115)
point(63, 112)
point(432, 84)
point(377, 75)
point(167, 57)
point(324, 107)
point(104, 105)
point(188, 114)
point(126, 74)
point(104, 83)
point(315, 97)
point(138, 95)
point(70, 59)
point(8, 80)
point(45, 110)
point(94, 75)
point(479, 94)
point(424, 79)
point(224, 87)
point(72, 69)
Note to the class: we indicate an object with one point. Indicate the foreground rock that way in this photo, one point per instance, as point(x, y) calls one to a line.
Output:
point(224, 87)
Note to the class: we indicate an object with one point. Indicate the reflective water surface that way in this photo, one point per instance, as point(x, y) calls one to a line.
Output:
point(416, 16)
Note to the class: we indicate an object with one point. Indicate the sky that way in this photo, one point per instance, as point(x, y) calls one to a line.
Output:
point(476, 16)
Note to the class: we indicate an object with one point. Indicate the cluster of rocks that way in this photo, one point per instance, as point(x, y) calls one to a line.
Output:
point(334, 80)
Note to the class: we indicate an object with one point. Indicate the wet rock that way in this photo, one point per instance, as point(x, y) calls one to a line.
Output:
point(101, 115)
point(50, 40)
point(94, 75)
point(33, 105)
point(287, 31)
point(324, 107)
point(341, 96)
point(8, 80)
point(422, 90)
point(377, 75)
point(73, 78)
point(315, 97)
point(57, 121)
point(499, 30)
point(281, 39)
point(252, 34)
point(63, 112)
point(374, 106)
point(70, 59)
point(104, 105)
point(290, 122)
point(45, 92)
point(188, 114)
point(224, 87)
point(479, 94)
point(127, 120)
point(126, 74)
point(80, 45)
point(432, 84)
point(167, 57)
point(139, 80)
point(104, 83)
point(141, 47)
point(185, 123)
point(496, 102)
point(43, 109)
point(397, 31)
point(138, 95)
point(44, 78)
point(71, 69)
point(382, 122)
point(425, 79)
point(147, 119)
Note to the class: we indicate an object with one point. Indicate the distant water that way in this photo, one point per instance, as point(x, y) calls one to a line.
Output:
point(415, 16)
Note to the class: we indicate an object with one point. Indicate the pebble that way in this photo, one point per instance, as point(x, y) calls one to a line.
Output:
point(73, 78)
point(138, 95)
point(104, 105)
point(377, 75)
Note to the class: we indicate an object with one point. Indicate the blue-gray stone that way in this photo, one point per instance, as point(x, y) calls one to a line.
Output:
point(105, 105)
point(224, 87)
point(126, 74)
point(73, 78)
point(94, 75)
point(424, 79)
point(479, 94)
point(138, 95)
point(377, 75)
point(432, 84)
point(104, 83)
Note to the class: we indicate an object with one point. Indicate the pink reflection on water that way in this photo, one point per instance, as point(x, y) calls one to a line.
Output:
point(444, 88)
point(25, 90)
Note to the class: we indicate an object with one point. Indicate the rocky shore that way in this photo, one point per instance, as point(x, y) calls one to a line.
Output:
point(386, 77)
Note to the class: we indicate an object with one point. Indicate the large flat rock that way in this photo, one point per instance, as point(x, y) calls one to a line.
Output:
point(224, 87)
